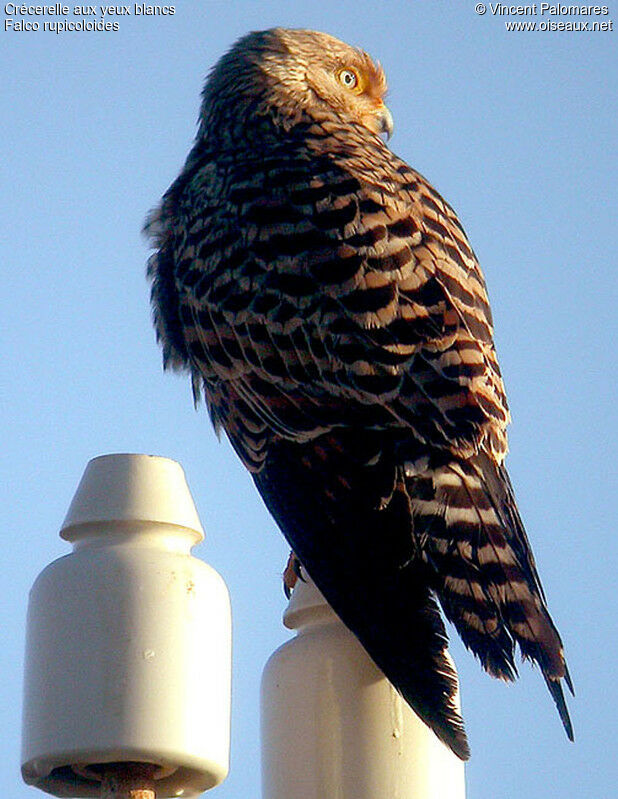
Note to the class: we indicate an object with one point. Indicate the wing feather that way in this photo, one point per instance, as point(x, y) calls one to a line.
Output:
point(369, 307)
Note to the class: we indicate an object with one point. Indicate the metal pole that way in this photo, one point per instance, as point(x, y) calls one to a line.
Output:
point(128, 781)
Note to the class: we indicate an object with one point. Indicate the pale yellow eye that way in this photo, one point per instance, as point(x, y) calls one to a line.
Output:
point(349, 78)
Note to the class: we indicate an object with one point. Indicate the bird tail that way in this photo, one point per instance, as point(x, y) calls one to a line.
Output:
point(472, 538)
point(382, 537)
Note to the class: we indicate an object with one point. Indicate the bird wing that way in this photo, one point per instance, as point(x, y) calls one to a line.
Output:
point(306, 290)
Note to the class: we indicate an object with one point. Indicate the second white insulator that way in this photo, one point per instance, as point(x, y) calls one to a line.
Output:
point(333, 727)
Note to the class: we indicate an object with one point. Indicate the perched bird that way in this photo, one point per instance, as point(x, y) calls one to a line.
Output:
point(326, 303)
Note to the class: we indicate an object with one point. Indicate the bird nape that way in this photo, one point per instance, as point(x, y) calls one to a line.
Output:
point(326, 303)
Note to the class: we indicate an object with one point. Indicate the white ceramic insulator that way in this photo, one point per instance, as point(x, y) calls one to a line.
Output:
point(128, 652)
point(333, 727)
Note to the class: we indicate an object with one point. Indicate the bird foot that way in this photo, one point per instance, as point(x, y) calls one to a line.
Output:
point(292, 574)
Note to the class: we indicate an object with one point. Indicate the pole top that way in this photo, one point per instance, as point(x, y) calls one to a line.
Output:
point(125, 487)
point(128, 644)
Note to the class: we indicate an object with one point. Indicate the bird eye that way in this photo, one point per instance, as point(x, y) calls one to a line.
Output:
point(349, 78)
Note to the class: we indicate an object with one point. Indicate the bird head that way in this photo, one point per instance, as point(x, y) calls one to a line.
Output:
point(298, 74)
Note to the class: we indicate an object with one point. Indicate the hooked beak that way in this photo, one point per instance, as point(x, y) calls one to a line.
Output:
point(385, 122)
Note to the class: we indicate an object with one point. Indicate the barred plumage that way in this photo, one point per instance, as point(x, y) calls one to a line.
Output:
point(325, 300)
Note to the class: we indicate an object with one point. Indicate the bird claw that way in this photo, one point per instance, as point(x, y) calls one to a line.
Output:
point(291, 574)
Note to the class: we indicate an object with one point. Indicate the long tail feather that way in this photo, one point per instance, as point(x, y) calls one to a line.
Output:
point(363, 560)
point(383, 536)
point(472, 537)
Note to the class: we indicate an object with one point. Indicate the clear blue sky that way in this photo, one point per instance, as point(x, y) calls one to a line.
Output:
point(517, 130)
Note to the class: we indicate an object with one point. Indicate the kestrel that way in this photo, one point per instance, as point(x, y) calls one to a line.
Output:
point(326, 303)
